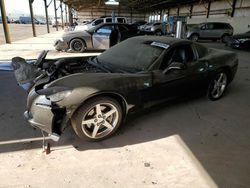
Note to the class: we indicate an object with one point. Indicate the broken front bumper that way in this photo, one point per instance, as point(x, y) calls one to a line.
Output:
point(61, 45)
point(40, 114)
point(45, 115)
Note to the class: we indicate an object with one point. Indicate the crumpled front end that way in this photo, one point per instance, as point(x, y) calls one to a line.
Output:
point(44, 114)
point(61, 45)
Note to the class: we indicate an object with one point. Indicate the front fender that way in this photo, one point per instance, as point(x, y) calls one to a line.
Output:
point(86, 85)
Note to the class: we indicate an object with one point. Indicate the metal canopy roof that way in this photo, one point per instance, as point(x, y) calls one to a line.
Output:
point(139, 5)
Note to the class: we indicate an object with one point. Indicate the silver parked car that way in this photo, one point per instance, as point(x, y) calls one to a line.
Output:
point(152, 28)
point(210, 30)
point(100, 37)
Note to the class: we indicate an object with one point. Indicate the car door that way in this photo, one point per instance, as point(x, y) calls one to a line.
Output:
point(101, 37)
point(206, 31)
point(169, 84)
point(126, 32)
point(218, 30)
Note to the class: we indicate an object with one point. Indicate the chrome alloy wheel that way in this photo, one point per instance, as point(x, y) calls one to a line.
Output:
point(219, 86)
point(100, 120)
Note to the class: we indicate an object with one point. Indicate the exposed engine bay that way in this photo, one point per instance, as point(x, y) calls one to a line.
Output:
point(42, 71)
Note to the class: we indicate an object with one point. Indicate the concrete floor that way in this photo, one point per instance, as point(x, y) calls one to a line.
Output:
point(30, 47)
point(191, 143)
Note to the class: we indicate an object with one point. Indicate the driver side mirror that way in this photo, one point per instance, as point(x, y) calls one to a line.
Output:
point(175, 66)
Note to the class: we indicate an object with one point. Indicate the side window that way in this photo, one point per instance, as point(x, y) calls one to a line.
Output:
point(104, 30)
point(203, 27)
point(181, 54)
point(108, 20)
point(201, 50)
point(219, 26)
point(157, 24)
point(122, 28)
point(120, 20)
point(210, 26)
point(97, 22)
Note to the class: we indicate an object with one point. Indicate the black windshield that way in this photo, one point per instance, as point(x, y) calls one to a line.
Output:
point(132, 55)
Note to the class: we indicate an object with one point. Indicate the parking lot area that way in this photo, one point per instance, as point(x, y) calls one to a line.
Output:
point(185, 143)
point(17, 31)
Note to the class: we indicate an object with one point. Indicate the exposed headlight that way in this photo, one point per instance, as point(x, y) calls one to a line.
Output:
point(59, 96)
point(55, 94)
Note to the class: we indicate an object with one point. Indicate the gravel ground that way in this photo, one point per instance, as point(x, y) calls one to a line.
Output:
point(22, 31)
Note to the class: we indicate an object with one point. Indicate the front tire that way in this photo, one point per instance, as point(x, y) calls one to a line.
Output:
point(97, 119)
point(77, 45)
point(224, 38)
point(218, 86)
point(194, 37)
point(158, 32)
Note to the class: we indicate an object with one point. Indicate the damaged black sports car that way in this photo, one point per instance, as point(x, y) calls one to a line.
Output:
point(94, 94)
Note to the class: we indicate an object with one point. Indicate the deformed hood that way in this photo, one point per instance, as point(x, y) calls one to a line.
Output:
point(76, 33)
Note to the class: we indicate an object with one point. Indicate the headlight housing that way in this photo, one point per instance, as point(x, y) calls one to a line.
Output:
point(59, 96)
point(56, 93)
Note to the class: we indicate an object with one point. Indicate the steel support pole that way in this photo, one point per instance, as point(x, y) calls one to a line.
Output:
point(46, 14)
point(233, 8)
point(66, 14)
point(208, 8)
point(32, 18)
point(55, 15)
point(70, 17)
point(61, 14)
point(178, 11)
point(5, 23)
point(190, 11)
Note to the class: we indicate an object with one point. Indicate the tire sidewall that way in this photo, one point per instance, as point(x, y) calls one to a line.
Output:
point(79, 114)
point(158, 32)
point(224, 38)
point(196, 36)
point(72, 42)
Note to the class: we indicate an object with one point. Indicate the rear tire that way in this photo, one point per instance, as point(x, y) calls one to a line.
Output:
point(218, 85)
point(194, 37)
point(158, 32)
point(77, 45)
point(97, 119)
point(224, 38)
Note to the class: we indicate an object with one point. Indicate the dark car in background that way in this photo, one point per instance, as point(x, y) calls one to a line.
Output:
point(100, 37)
point(240, 41)
point(95, 94)
point(210, 30)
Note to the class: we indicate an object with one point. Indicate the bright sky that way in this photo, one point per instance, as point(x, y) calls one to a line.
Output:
point(22, 7)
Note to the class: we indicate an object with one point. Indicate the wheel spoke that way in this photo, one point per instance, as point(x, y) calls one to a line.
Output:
point(98, 110)
point(108, 125)
point(214, 90)
point(109, 113)
point(89, 121)
point(94, 133)
point(221, 76)
point(218, 91)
